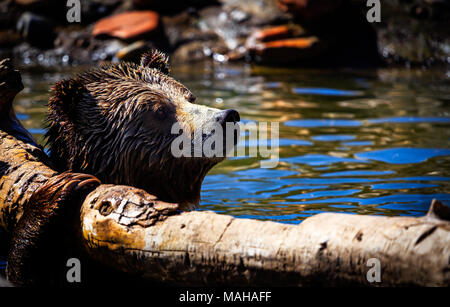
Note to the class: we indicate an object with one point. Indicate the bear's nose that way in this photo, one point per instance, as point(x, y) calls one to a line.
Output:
point(228, 116)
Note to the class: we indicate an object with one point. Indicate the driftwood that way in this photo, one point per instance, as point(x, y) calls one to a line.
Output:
point(129, 230)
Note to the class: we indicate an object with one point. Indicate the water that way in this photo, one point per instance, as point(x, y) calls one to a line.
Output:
point(358, 142)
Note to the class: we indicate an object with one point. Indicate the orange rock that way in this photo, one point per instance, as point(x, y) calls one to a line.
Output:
point(292, 43)
point(278, 32)
point(127, 25)
point(293, 50)
point(260, 37)
point(300, 43)
point(27, 2)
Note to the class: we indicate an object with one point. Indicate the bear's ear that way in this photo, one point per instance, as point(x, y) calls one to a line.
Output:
point(156, 59)
point(65, 95)
point(62, 137)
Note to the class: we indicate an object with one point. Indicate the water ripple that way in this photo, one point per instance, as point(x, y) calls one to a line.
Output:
point(403, 155)
point(326, 92)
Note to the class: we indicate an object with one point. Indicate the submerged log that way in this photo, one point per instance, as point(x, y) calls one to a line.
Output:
point(131, 231)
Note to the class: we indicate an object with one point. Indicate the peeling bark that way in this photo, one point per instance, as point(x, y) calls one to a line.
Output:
point(326, 249)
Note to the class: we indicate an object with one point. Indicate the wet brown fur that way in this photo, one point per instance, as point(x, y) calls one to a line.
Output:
point(114, 122)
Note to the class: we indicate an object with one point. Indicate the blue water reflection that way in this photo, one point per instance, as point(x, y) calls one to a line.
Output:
point(312, 123)
point(326, 92)
point(333, 137)
point(319, 159)
point(400, 120)
point(403, 155)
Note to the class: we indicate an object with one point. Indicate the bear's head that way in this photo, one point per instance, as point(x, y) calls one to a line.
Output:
point(119, 122)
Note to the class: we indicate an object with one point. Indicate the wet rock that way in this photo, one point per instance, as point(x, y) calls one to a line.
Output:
point(83, 48)
point(106, 50)
point(53, 9)
point(234, 21)
point(414, 33)
point(199, 51)
point(93, 10)
point(37, 30)
point(71, 48)
point(282, 44)
point(9, 38)
point(276, 33)
point(134, 51)
point(293, 50)
point(30, 3)
point(219, 21)
point(182, 28)
point(332, 33)
point(171, 7)
point(130, 25)
point(238, 54)
point(9, 13)
point(255, 12)
point(410, 32)
point(68, 39)
point(26, 55)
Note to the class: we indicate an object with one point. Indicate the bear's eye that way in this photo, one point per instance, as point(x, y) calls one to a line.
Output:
point(160, 113)
point(190, 97)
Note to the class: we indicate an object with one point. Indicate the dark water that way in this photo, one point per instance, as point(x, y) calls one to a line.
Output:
point(361, 142)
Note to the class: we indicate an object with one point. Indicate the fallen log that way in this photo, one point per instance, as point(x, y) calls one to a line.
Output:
point(326, 249)
point(131, 231)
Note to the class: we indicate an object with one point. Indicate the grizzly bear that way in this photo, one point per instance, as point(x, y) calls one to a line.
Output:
point(115, 122)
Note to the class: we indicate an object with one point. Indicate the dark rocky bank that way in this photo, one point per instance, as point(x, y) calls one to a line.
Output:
point(314, 33)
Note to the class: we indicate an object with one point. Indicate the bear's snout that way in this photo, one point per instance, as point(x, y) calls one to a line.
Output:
point(228, 116)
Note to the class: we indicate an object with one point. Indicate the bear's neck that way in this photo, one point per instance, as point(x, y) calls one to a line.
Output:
point(179, 183)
